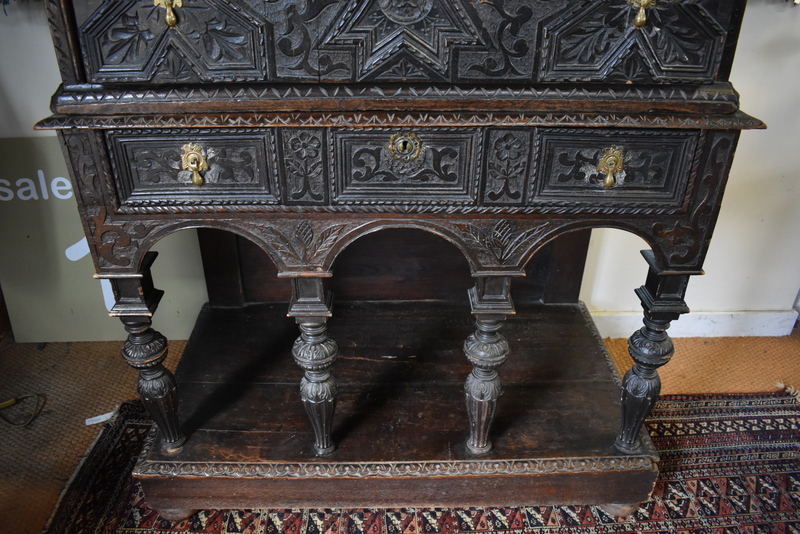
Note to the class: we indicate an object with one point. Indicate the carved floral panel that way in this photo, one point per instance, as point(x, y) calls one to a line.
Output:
point(151, 171)
point(302, 165)
point(655, 166)
point(130, 40)
point(600, 41)
point(506, 166)
point(452, 41)
point(371, 167)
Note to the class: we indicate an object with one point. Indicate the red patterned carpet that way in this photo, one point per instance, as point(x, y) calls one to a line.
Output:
point(729, 464)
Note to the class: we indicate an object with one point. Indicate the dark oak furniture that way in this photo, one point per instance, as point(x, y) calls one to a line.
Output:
point(304, 126)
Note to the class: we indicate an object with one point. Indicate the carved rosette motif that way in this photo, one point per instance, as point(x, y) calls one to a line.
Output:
point(506, 172)
point(302, 166)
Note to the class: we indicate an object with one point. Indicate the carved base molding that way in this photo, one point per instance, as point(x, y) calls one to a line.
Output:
point(410, 448)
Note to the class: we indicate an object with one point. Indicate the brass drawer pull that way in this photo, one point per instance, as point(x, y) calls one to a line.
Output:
point(169, 5)
point(194, 159)
point(610, 164)
point(641, 14)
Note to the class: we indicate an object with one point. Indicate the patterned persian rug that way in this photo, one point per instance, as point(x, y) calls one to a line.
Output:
point(729, 464)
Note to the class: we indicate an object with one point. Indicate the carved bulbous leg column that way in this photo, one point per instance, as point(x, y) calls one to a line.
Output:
point(146, 349)
point(486, 350)
point(650, 347)
point(315, 352)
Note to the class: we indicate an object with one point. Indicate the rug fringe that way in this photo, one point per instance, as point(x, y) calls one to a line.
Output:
point(789, 390)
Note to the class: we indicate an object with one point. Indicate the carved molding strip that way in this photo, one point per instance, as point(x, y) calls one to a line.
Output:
point(734, 121)
point(721, 93)
point(394, 469)
point(430, 207)
point(145, 468)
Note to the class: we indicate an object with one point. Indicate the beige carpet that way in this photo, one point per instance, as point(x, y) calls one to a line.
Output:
point(724, 364)
point(79, 381)
point(82, 380)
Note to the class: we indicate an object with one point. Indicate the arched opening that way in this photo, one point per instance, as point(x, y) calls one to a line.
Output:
point(614, 269)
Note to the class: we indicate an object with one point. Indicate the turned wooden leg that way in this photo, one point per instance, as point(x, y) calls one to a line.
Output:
point(486, 350)
point(315, 352)
point(146, 349)
point(650, 347)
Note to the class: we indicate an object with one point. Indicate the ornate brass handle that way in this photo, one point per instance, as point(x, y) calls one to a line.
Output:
point(610, 164)
point(169, 5)
point(641, 14)
point(194, 159)
point(405, 146)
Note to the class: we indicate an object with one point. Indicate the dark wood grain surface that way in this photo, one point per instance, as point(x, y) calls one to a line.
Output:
point(401, 399)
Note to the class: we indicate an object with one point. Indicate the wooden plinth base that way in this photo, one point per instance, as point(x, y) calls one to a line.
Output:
point(400, 425)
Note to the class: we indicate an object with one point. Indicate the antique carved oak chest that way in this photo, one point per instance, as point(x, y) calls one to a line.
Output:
point(303, 126)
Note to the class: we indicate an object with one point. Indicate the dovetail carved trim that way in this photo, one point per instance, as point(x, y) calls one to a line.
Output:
point(335, 94)
point(736, 121)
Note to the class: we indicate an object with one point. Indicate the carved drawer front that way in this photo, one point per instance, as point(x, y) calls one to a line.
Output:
point(443, 41)
point(614, 168)
point(186, 169)
point(393, 166)
point(642, 41)
point(171, 41)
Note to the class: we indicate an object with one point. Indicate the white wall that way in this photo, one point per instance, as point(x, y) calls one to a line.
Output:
point(49, 297)
point(753, 267)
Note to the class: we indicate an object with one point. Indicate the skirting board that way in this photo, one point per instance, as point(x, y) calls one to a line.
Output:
point(703, 324)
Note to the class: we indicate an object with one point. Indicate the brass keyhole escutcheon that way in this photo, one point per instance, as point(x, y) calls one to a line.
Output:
point(170, 18)
point(641, 14)
point(611, 163)
point(194, 159)
point(405, 146)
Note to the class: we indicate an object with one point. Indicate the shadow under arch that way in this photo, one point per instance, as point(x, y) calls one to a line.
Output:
point(647, 242)
point(400, 262)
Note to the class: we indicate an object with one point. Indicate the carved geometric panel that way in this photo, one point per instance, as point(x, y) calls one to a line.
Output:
point(129, 40)
point(440, 165)
point(598, 41)
point(310, 41)
point(448, 41)
point(150, 173)
point(656, 166)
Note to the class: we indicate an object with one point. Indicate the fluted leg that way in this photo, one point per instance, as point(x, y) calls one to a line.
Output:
point(315, 352)
point(650, 347)
point(486, 350)
point(146, 349)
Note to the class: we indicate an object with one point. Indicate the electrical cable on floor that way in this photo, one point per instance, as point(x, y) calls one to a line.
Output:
point(37, 409)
